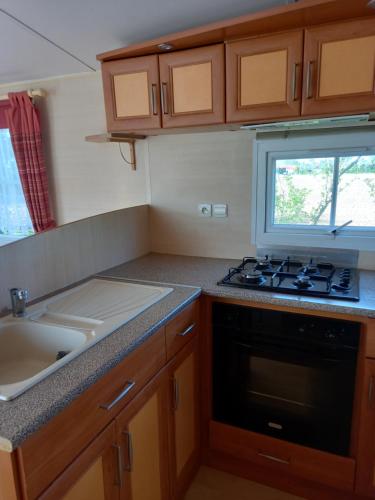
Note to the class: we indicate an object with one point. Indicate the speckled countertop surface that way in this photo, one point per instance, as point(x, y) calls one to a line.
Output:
point(188, 276)
point(25, 414)
point(206, 272)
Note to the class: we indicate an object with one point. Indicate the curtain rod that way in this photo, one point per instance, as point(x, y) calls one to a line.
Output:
point(30, 93)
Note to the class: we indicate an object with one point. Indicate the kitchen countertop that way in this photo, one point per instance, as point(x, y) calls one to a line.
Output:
point(188, 276)
point(24, 415)
point(206, 272)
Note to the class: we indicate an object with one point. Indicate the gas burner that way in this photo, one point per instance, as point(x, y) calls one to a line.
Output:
point(310, 277)
point(252, 277)
point(263, 265)
point(310, 269)
point(342, 286)
point(302, 281)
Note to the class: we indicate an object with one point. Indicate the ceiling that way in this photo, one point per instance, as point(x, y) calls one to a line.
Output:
point(46, 38)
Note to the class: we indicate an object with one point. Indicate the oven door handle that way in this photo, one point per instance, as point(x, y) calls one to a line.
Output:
point(309, 358)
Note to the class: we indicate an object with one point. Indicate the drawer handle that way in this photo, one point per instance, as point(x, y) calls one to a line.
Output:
point(274, 459)
point(129, 386)
point(129, 468)
point(188, 330)
point(120, 467)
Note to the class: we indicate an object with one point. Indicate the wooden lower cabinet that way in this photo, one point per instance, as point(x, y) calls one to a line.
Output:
point(184, 419)
point(93, 475)
point(281, 456)
point(365, 479)
point(142, 436)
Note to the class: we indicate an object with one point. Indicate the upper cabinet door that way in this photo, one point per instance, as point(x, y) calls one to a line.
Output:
point(192, 87)
point(339, 69)
point(132, 94)
point(264, 77)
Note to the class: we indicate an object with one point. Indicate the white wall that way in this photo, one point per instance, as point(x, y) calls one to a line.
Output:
point(212, 167)
point(190, 169)
point(85, 178)
point(52, 260)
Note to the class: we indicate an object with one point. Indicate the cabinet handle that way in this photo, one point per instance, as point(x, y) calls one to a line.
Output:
point(176, 394)
point(371, 392)
point(129, 468)
point(164, 98)
point(188, 330)
point(120, 466)
point(309, 80)
point(128, 387)
point(274, 459)
point(294, 81)
point(153, 99)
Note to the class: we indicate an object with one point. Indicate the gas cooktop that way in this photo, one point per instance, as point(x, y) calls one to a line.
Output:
point(285, 275)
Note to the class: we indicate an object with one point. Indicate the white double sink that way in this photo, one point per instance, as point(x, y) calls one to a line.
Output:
point(58, 329)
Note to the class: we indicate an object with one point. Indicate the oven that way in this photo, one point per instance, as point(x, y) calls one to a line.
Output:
point(289, 376)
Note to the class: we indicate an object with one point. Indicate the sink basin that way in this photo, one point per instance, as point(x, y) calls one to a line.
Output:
point(66, 325)
point(28, 349)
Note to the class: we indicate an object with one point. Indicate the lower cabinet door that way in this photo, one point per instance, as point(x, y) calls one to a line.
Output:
point(94, 475)
point(184, 418)
point(365, 476)
point(142, 432)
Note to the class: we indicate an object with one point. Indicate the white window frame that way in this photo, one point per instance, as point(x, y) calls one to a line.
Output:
point(303, 145)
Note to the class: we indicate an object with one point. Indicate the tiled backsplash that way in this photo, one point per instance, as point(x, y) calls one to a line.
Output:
point(55, 259)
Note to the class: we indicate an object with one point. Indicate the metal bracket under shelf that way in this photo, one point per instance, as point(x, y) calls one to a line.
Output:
point(119, 138)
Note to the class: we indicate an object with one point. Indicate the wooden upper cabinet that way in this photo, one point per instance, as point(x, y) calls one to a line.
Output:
point(263, 77)
point(132, 94)
point(192, 87)
point(339, 69)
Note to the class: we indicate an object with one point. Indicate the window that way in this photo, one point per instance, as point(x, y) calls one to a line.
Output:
point(316, 196)
point(14, 216)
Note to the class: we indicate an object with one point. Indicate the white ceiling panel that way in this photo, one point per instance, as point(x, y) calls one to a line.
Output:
point(88, 27)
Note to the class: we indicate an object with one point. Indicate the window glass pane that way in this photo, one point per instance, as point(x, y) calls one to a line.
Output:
point(356, 191)
point(303, 191)
point(14, 215)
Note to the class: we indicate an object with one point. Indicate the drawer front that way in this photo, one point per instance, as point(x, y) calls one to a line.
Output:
point(49, 451)
point(181, 329)
point(314, 465)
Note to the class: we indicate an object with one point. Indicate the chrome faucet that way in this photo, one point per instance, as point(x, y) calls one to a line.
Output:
point(18, 297)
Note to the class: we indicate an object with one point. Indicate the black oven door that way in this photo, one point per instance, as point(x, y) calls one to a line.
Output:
point(285, 391)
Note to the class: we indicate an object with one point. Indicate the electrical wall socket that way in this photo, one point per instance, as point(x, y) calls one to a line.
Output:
point(205, 210)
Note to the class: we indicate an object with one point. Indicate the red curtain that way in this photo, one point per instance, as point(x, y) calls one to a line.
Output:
point(24, 128)
point(4, 106)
